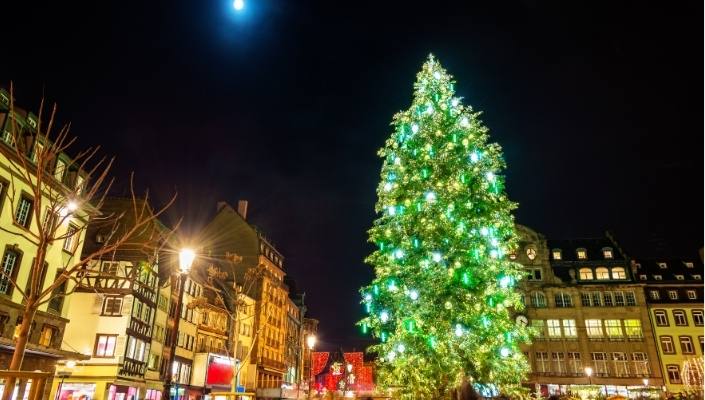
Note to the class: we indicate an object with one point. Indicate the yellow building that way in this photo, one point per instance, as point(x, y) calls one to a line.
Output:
point(674, 292)
point(20, 216)
point(244, 340)
point(112, 313)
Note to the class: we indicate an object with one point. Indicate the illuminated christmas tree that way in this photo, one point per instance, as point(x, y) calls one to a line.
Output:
point(442, 300)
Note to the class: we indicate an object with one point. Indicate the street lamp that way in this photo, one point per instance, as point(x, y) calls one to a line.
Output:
point(70, 364)
point(646, 384)
point(311, 343)
point(588, 372)
point(186, 258)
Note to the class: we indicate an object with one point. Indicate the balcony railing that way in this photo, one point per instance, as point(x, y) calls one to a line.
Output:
point(267, 362)
point(132, 368)
point(205, 348)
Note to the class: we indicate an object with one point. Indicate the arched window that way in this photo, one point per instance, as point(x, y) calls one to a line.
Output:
point(602, 273)
point(586, 273)
point(619, 273)
point(538, 299)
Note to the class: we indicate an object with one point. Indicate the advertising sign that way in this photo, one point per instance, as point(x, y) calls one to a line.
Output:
point(220, 371)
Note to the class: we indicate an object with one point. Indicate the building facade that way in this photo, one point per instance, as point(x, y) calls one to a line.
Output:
point(674, 295)
point(590, 317)
point(20, 217)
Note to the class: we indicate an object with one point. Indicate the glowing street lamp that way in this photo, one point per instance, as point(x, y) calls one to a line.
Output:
point(588, 372)
point(238, 5)
point(186, 257)
point(311, 341)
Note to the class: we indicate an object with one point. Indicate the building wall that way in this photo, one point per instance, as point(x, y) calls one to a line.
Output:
point(244, 339)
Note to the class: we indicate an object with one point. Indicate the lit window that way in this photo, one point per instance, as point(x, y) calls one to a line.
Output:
point(641, 364)
point(71, 239)
point(554, 327)
point(698, 317)
point(531, 253)
point(105, 345)
point(582, 254)
point(698, 277)
point(599, 359)
point(613, 328)
point(688, 264)
point(620, 364)
point(559, 363)
point(594, 328)
point(619, 273)
point(512, 256)
point(673, 294)
point(632, 327)
point(667, 345)
point(661, 318)
point(47, 335)
point(9, 262)
point(569, 329)
point(687, 345)
point(658, 277)
point(556, 254)
point(692, 295)
point(662, 265)
point(607, 252)
point(586, 274)
point(602, 273)
point(23, 215)
point(642, 277)
point(680, 277)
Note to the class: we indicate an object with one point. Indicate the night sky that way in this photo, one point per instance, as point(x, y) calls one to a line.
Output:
point(598, 108)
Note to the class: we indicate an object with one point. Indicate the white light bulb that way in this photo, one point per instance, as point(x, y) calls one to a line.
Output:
point(368, 297)
point(504, 352)
point(239, 4)
point(494, 242)
point(414, 128)
point(505, 281)
point(455, 102)
point(430, 197)
point(429, 109)
point(384, 316)
point(490, 176)
point(474, 157)
point(437, 257)
point(397, 161)
point(391, 356)
point(437, 75)
point(413, 295)
point(458, 330)
point(392, 210)
point(484, 231)
point(494, 254)
point(401, 348)
point(464, 122)
point(387, 187)
point(399, 253)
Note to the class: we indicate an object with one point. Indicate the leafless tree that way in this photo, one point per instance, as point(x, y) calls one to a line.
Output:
point(76, 193)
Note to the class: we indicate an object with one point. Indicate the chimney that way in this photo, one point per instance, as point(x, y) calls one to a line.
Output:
point(242, 208)
point(220, 205)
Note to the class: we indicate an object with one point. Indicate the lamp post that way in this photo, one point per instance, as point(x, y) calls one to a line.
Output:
point(588, 372)
point(646, 384)
point(70, 364)
point(186, 258)
point(311, 343)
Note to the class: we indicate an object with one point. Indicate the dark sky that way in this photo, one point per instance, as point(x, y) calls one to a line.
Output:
point(598, 107)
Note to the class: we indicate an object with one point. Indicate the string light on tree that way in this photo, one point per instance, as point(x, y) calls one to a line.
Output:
point(445, 225)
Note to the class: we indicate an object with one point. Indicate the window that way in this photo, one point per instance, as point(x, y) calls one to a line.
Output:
point(586, 274)
point(702, 343)
point(569, 329)
point(642, 277)
point(47, 335)
point(602, 273)
point(698, 277)
point(667, 345)
point(112, 305)
point(679, 318)
point(534, 274)
point(538, 326)
point(641, 364)
point(582, 254)
point(531, 253)
point(79, 184)
point(135, 349)
point(673, 294)
point(613, 328)
point(661, 317)
point(23, 215)
point(9, 262)
point(71, 239)
point(654, 294)
point(679, 277)
point(585, 299)
point(563, 300)
point(697, 317)
point(619, 273)
point(692, 295)
point(609, 301)
point(542, 361)
point(607, 252)
point(538, 300)
point(575, 365)
point(599, 359)
point(633, 328)
point(619, 299)
point(688, 264)
point(686, 345)
point(559, 363)
point(104, 345)
point(109, 268)
point(59, 170)
point(674, 375)
point(554, 328)
point(658, 277)
point(621, 367)
point(556, 254)
point(630, 298)
point(594, 328)
point(662, 265)
point(38, 150)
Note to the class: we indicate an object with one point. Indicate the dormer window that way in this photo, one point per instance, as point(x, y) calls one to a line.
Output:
point(642, 277)
point(698, 277)
point(688, 264)
point(619, 273)
point(602, 273)
point(658, 277)
point(582, 254)
point(556, 254)
point(607, 252)
point(680, 277)
point(531, 253)
point(662, 265)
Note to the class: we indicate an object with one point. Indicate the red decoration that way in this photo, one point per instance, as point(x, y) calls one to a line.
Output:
point(320, 359)
point(331, 379)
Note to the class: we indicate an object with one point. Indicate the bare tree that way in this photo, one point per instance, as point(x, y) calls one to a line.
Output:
point(232, 303)
point(75, 193)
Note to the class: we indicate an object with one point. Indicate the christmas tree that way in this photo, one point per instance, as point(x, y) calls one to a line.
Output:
point(442, 300)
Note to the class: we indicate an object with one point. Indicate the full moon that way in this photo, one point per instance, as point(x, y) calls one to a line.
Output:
point(239, 4)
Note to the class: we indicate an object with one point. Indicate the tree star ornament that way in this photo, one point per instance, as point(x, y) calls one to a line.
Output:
point(443, 289)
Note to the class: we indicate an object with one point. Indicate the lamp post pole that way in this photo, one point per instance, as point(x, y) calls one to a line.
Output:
point(186, 257)
point(311, 343)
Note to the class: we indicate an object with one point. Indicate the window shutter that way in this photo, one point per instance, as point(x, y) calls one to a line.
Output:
point(127, 305)
point(120, 348)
